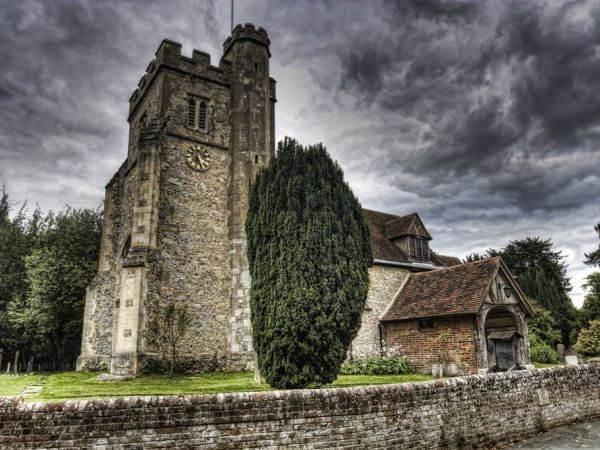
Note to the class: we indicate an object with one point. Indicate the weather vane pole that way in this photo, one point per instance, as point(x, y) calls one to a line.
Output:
point(231, 15)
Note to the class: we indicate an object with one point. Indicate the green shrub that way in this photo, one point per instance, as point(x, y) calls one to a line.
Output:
point(183, 364)
point(588, 342)
point(541, 352)
point(377, 365)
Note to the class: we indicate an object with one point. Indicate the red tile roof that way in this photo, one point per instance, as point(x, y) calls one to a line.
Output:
point(384, 227)
point(383, 248)
point(449, 261)
point(399, 226)
point(444, 292)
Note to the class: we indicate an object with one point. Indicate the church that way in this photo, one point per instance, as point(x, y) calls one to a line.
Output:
point(173, 230)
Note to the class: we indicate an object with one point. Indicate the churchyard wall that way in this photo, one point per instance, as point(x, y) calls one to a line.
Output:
point(478, 411)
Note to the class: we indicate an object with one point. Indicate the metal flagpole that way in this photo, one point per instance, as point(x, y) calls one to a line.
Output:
point(231, 15)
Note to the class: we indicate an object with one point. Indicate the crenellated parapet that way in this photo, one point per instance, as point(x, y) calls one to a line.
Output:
point(247, 32)
point(169, 57)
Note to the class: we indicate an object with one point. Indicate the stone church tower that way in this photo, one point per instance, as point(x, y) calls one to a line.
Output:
point(174, 212)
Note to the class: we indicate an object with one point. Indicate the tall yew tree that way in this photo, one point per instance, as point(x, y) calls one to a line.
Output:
point(309, 251)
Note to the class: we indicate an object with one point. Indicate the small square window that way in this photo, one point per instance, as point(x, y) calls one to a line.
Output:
point(426, 324)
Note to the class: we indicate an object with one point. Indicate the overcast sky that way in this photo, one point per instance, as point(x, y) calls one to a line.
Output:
point(484, 117)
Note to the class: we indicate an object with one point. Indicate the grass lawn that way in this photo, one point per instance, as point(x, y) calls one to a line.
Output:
point(543, 366)
point(14, 385)
point(79, 385)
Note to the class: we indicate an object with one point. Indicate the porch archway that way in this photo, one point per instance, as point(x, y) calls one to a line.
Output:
point(503, 332)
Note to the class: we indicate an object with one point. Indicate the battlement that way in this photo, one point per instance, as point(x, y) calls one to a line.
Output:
point(247, 32)
point(169, 56)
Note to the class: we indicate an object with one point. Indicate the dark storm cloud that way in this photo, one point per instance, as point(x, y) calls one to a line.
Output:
point(435, 10)
point(365, 69)
point(483, 116)
point(505, 102)
point(68, 68)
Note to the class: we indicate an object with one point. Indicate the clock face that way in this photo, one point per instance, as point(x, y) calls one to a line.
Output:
point(198, 158)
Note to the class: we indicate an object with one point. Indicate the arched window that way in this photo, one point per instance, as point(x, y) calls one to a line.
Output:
point(202, 116)
point(191, 117)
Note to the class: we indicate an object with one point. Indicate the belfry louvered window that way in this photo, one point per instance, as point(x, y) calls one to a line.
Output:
point(191, 116)
point(197, 114)
point(202, 116)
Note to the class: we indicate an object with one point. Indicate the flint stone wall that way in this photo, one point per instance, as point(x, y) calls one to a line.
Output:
point(477, 411)
point(384, 283)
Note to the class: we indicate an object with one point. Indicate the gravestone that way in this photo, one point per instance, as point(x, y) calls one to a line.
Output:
point(16, 365)
point(8, 368)
point(572, 360)
point(560, 350)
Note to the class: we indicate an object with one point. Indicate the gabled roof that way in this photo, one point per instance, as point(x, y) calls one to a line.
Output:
point(383, 248)
point(450, 291)
point(405, 225)
point(383, 225)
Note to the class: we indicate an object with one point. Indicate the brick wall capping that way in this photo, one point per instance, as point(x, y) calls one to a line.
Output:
point(295, 395)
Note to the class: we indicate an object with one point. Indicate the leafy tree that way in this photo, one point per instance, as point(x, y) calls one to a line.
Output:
point(171, 325)
point(588, 342)
point(544, 334)
point(58, 272)
point(542, 352)
point(543, 325)
point(17, 238)
point(593, 259)
point(591, 303)
point(13, 247)
point(309, 252)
